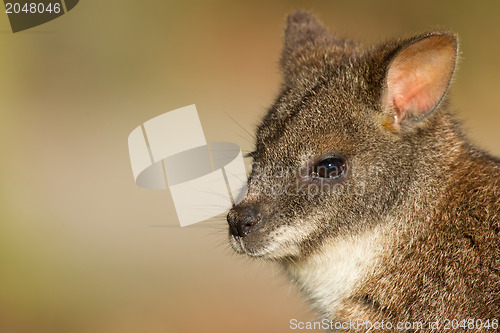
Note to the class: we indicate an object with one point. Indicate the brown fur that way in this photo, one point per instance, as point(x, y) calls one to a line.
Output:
point(432, 197)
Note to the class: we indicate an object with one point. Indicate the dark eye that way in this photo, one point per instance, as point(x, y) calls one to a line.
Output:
point(332, 167)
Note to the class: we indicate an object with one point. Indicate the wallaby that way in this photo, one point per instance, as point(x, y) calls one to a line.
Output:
point(365, 190)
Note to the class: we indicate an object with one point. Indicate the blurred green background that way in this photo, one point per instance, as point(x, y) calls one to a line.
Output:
point(82, 248)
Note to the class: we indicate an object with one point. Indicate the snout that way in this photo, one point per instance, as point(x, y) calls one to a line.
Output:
point(244, 219)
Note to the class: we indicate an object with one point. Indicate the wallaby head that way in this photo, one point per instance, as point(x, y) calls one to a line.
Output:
point(345, 139)
point(364, 188)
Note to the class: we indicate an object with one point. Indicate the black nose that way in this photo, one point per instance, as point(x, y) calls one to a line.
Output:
point(244, 219)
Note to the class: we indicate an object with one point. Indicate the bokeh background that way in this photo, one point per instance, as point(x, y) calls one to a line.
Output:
point(82, 248)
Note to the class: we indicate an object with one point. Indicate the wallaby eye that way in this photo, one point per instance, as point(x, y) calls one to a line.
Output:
point(332, 167)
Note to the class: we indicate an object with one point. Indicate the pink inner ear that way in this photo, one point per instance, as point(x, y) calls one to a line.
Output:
point(419, 76)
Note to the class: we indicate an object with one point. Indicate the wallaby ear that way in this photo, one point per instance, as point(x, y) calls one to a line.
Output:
point(302, 28)
point(417, 78)
point(304, 36)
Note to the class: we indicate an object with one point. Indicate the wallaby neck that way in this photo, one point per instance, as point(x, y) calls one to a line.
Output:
point(328, 276)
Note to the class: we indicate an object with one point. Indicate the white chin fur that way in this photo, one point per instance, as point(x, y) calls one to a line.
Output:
point(274, 250)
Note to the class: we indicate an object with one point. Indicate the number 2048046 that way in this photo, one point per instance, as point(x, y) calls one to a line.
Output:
point(32, 8)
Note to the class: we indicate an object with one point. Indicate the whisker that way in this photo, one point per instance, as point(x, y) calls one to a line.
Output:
point(252, 136)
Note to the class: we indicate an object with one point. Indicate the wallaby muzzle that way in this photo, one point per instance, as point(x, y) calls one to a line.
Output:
point(244, 219)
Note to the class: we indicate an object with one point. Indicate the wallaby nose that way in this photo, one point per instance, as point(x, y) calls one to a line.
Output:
point(244, 219)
